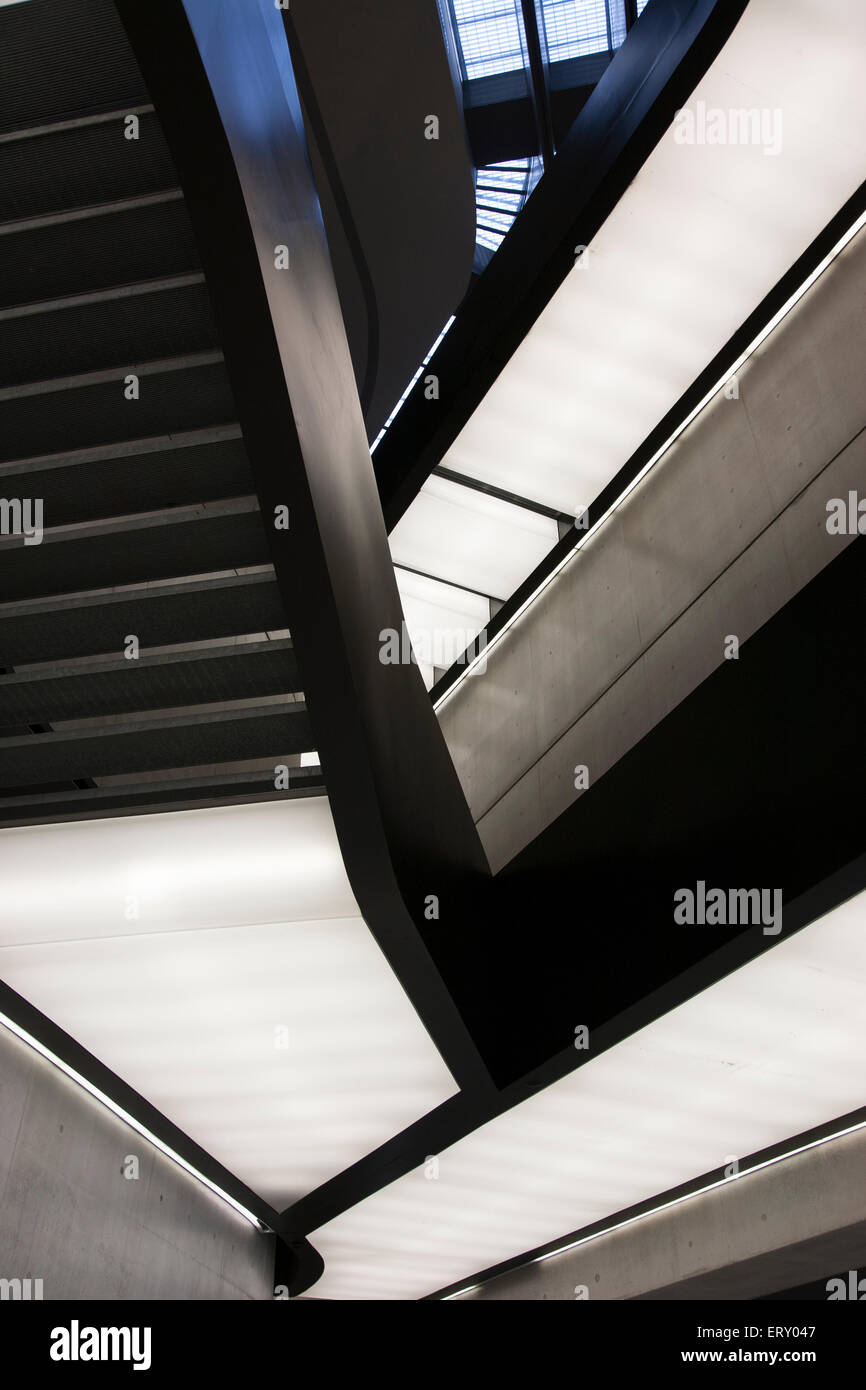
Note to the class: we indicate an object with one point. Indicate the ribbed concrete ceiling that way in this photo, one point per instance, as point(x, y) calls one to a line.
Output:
point(143, 646)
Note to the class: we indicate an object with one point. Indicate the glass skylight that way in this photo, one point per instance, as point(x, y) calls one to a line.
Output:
point(405, 396)
point(489, 36)
point(574, 28)
point(500, 192)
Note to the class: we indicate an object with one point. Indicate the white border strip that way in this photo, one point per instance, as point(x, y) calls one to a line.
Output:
point(714, 390)
point(130, 1120)
point(406, 394)
point(665, 1206)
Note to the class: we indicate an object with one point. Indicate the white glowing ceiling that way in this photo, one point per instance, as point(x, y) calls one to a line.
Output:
point(701, 235)
point(216, 960)
point(772, 1050)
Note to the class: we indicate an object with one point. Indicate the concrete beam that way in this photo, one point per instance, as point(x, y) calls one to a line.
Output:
point(797, 1221)
point(715, 540)
point(69, 1217)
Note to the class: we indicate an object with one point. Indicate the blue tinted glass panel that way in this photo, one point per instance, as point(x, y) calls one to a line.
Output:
point(490, 35)
point(500, 192)
point(574, 28)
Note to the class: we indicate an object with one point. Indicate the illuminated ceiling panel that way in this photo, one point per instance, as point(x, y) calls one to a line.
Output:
point(465, 537)
point(441, 620)
point(217, 962)
point(772, 1050)
point(702, 234)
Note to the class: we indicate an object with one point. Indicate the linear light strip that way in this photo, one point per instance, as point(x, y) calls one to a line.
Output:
point(713, 391)
point(405, 396)
point(131, 1121)
point(666, 1206)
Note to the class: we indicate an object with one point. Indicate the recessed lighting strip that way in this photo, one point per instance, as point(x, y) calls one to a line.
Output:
point(662, 1206)
point(406, 394)
point(131, 1121)
point(744, 356)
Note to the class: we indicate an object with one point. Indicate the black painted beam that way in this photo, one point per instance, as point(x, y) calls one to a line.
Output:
point(586, 921)
point(627, 113)
point(539, 72)
point(406, 841)
point(732, 788)
point(506, 130)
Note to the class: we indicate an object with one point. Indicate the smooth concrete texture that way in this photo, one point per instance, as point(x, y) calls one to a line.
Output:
point(69, 1217)
point(726, 528)
point(794, 1222)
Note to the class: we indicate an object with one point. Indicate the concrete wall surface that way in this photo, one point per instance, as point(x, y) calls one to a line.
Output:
point(792, 1223)
point(722, 532)
point(69, 1217)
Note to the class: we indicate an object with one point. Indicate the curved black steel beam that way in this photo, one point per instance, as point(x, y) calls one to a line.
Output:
point(297, 1265)
point(731, 787)
point(233, 121)
point(220, 77)
point(350, 231)
point(539, 74)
